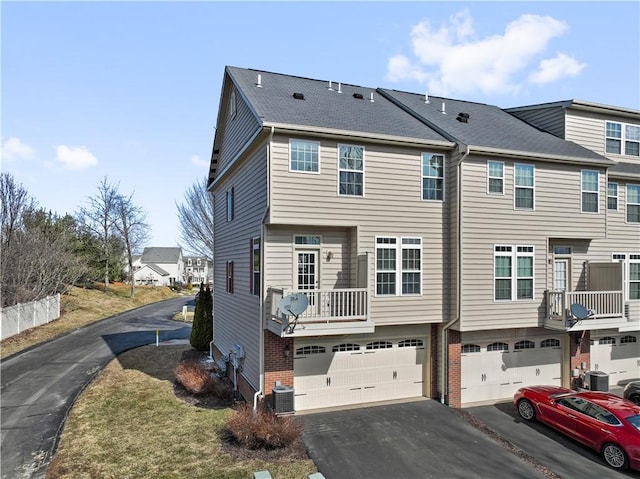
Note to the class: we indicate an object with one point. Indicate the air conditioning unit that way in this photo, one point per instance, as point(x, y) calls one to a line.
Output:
point(282, 398)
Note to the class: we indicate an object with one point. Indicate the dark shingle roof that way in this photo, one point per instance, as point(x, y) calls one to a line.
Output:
point(161, 255)
point(490, 127)
point(625, 170)
point(322, 108)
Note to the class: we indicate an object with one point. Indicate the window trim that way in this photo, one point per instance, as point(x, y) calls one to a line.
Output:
point(229, 277)
point(490, 177)
point(629, 203)
point(254, 276)
point(607, 137)
point(616, 197)
point(317, 152)
point(423, 156)
point(514, 252)
point(594, 192)
point(622, 140)
point(397, 244)
point(231, 204)
point(340, 170)
point(532, 187)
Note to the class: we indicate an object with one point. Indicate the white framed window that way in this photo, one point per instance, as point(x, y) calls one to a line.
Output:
point(632, 140)
point(612, 196)
point(350, 170)
point(590, 191)
point(254, 266)
point(432, 177)
point(524, 186)
point(622, 138)
point(310, 240)
point(398, 278)
point(613, 137)
point(633, 203)
point(233, 105)
point(513, 272)
point(495, 177)
point(304, 156)
point(230, 204)
point(634, 276)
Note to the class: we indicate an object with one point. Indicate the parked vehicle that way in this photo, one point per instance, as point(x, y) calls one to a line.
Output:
point(632, 392)
point(602, 421)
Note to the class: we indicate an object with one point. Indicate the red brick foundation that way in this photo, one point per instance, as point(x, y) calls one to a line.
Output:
point(278, 363)
point(454, 369)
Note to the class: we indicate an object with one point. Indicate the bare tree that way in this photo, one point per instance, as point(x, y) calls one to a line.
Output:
point(134, 231)
point(37, 248)
point(196, 219)
point(99, 218)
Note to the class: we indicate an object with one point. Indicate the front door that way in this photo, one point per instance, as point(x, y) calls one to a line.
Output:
point(308, 273)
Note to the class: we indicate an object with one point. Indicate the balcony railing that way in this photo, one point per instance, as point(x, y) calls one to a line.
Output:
point(325, 305)
point(600, 304)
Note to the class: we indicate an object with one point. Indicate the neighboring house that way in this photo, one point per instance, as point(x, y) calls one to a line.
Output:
point(159, 266)
point(442, 246)
point(197, 270)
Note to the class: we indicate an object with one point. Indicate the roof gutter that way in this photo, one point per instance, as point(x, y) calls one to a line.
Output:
point(459, 240)
point(526, 155)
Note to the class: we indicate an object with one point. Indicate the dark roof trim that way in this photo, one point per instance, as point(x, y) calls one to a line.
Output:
point(524, 155)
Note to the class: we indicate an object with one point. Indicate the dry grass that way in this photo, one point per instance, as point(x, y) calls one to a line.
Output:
point(82, 306)
point(129, 423)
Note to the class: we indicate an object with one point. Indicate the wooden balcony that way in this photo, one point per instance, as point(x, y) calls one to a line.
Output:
point(607, 309)
point(329, 312)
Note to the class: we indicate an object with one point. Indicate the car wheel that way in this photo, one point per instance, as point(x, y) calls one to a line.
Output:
point(526, 410)
point(635, 398)
point(614, 456)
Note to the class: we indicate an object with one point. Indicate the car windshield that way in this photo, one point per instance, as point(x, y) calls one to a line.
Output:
point(635, 421)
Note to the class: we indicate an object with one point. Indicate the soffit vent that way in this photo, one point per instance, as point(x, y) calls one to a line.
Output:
point(298, 96)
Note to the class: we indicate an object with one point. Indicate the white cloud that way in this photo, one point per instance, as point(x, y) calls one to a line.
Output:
point(554, 69)
point(196, 160)
point(452, 60)
point(14, 149)
point(75, 157)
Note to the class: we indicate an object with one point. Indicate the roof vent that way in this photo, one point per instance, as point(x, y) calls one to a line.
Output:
point(463, 117)
point(358, 96)
point(339, 87)
point(371, 99)
point(259, 84)
point(330, 87)
point(426, 97)
point(444, 109)
point(298, 96)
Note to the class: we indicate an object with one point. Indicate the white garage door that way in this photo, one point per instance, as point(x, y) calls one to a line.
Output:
point(493, 371)
point(339, 372)
point(616, 354)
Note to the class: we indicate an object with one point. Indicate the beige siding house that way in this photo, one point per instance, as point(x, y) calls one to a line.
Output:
point(376, 245)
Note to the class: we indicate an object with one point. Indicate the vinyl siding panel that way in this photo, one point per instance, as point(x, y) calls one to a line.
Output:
point(586, 129)
point(237, 131)
point(391, 206)
point(490, 220)
point(237, 315)
point(548, 119)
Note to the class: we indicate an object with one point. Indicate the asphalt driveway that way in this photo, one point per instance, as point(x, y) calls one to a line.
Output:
point(39, 386)
point(413, 440)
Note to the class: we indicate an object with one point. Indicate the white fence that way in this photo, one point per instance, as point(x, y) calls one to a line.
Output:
point(20, 317)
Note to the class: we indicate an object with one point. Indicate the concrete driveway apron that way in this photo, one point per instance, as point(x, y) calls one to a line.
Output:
point(40, 385)
point(413, 440)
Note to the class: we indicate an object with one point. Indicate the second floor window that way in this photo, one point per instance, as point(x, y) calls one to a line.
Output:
point(524, 185)
point(622, 139)
point(351, 170)
point(255, 266)
point(513, 273)
point(432, 177)
point(612, 196)
point(633, 203)
point(613, 137)
point(393, 277)
point(590, 191)
point(495, 177)
point(303, 156)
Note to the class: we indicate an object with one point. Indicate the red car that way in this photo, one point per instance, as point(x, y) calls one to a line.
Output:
point(601, 421)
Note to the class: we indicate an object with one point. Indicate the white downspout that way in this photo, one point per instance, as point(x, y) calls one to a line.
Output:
point(260, 392)
point(444, 352)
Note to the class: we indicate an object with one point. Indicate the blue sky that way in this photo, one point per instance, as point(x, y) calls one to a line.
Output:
point(130, 90)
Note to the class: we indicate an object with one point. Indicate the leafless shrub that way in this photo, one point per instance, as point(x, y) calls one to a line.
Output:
point(262, 429)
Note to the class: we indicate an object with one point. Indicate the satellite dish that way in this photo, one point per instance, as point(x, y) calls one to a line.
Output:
point(294, 305)
point(579, 311)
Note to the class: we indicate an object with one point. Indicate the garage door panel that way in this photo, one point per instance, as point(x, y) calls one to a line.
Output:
point(617, 355)
point(365, 375)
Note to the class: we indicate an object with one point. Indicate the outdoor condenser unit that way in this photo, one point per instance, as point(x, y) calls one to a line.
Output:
point(283, 399)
